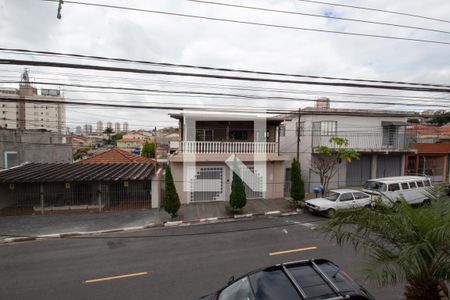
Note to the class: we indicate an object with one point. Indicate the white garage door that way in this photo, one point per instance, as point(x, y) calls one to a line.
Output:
point(208, 184)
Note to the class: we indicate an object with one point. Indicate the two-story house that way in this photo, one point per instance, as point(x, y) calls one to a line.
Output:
point(378, 136)
point(214, 144)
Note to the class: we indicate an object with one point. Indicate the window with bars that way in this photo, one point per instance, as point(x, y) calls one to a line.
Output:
point(328, 128)
point(204, 135)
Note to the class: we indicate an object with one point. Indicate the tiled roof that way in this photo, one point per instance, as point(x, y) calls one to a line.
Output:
point(65, 172)
point(116, 155)
point(429, 130)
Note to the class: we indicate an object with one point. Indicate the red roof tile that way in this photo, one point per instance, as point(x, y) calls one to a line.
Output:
point(115, 155)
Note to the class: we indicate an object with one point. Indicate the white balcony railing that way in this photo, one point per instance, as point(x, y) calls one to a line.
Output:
point(227, 147)
point(365, 141)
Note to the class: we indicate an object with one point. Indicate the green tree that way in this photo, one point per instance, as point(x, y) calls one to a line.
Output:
point(297, 184)
point(152, 150)
point(238, 198)
point(326, 162)
point(401, 244)
point(171, 203)
point(440, 119)
point(145, 152)
point(108, 131)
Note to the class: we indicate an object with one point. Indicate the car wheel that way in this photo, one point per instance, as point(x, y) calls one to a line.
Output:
point(368, 206)
point(330, 213)
point(426, 202)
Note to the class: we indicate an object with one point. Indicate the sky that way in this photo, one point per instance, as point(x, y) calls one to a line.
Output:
point(32, 24)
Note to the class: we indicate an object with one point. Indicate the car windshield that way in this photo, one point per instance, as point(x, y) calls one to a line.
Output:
point(332, 196)
point(375, 186)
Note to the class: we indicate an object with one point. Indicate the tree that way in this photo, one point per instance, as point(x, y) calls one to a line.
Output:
point(297, 184)
point(171, 203)
point(146, 149)
point(440, 119)
point(401, 244)
point(238, 198)
point(326, 162)
point(152, 150)
point(108, 131)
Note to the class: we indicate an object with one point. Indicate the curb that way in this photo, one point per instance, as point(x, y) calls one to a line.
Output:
point(151, 225)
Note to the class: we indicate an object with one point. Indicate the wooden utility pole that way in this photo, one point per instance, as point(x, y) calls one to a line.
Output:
point(298, 134)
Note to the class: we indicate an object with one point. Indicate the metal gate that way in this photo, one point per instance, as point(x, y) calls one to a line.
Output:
point(359, 171)
point(389, 165)
point(208, 184)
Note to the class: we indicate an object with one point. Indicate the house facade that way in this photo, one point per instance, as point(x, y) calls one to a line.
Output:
point(378, 135)
point(432, 146)
point(212, 145)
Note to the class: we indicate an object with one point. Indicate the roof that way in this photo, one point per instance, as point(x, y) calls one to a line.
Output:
point(65, 172)
point(354, 112)
point(398, 178)
point(125, 140)
point(116, 155)
point(344, 190)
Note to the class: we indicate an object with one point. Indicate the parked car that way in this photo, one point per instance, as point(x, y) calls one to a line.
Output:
point(305, 279)
point(338, 199)
point(410, 188)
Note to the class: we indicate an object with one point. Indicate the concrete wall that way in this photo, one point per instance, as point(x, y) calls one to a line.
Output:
point(34, 146)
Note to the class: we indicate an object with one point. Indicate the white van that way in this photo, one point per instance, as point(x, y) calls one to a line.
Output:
point(411, 188)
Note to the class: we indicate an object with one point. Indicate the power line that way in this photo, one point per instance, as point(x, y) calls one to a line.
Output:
point(376, 9)
point(215, 76)
point(163, 64)
point(318, 16)
point(253, 23)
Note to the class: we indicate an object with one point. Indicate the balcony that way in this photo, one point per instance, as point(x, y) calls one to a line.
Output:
point(227, 147)
point(366, 141)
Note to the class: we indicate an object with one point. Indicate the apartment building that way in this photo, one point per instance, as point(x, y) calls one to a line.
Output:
point(378, 135)
point(212, 145)
point(29, 115)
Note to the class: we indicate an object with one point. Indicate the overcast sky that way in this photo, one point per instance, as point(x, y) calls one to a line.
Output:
point(32, 24)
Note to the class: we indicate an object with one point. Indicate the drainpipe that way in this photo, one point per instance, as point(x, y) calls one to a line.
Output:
point(41, 197)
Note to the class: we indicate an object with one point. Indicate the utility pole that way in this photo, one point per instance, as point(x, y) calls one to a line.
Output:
point(298, 134)
point(61, 2)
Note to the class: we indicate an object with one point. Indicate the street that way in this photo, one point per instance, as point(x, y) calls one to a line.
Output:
point(194, 261)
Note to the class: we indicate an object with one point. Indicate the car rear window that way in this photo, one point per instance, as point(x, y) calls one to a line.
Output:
point(272, 285)
point(360, 196)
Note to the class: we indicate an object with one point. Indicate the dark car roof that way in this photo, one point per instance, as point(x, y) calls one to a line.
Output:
point(312, 279)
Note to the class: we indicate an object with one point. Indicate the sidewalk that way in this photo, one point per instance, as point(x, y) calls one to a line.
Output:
point(60, 224)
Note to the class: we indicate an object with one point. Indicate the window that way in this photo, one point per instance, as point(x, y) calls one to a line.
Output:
point(328, 128)
point(240, 135)
point(419, 183)
point(301, 130)
point(394, 187)
point(360, 196)
point(390, 135)
point(427, 182)
point(11, 159)
point(204, 135)
point(332, 196)
point(405, 186)
point(412, 185)
point(346, 197)
point(239, 290)
point(282, 130)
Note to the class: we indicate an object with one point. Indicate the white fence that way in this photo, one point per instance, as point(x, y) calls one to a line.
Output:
point(228, 147)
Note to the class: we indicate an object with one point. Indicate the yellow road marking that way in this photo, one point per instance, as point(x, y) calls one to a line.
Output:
point(116, 277)
point(292, 250)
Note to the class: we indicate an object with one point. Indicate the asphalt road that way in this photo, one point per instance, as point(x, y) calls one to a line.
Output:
point(195, 261)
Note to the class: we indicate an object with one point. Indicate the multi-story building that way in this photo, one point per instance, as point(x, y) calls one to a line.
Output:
point(378, 135)
point(125, 127)
point(117, 127)
point(99, 127)
point(109, 125)
point(16, 114)
point(87, 129)
point(78, 130)
point(212, 145)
